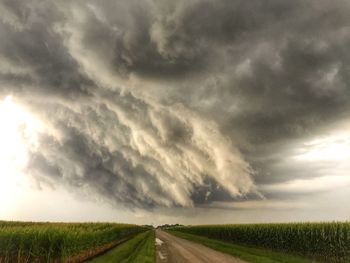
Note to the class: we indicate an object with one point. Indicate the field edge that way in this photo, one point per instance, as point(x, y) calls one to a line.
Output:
point(253, 255)
point(140, 249)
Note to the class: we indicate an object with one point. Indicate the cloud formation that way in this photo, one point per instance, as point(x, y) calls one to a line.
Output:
point(157, 103)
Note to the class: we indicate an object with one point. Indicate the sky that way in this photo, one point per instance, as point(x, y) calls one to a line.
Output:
point(160, 111)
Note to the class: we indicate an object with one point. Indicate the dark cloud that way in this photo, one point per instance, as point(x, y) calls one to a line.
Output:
point(158, 103)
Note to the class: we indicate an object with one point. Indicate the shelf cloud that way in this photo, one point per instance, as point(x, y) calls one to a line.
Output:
point(178, 104)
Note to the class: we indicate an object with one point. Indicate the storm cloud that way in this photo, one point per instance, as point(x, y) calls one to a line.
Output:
point(163, 103)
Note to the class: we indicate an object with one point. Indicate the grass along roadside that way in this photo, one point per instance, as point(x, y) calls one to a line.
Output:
point(323, 241)
point(253, 255)
point(59, 242)
point(140, 249)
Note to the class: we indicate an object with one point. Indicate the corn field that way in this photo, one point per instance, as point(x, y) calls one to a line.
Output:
point(58, 242)
point(326, 242)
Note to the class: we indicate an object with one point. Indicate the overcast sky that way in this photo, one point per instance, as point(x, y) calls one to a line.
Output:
point(175, 111)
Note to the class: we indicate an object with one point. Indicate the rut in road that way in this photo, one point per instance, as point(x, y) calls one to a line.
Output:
point(172, 249)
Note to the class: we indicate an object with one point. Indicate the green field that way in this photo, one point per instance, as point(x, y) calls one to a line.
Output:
point(60, 242)
point(249, 254)
point(124, 243)
point(325, 242)
point(140, 249)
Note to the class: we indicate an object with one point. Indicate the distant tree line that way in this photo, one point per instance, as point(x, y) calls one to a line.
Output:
point(168, 226)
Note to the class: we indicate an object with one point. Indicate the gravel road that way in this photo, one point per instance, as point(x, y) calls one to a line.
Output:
point(172, 249)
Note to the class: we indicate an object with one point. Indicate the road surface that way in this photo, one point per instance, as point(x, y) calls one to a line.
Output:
point(172, 249)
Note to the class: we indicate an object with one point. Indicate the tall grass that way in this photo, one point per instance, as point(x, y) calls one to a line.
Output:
point(328, 242)
point(57, 242)
point(140, 249)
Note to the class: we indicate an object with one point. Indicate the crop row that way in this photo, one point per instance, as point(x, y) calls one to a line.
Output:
point(57, 242)
point(327, 242)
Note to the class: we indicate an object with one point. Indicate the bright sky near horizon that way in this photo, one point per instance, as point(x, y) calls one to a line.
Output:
point(162, 112)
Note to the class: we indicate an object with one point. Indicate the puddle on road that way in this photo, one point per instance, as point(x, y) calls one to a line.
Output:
point(159, 242)
point(161, 256)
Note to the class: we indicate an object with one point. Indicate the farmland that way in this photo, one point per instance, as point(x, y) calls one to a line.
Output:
point(60, 242)
point(141, 248)
point(111, 242)
point(327, 242)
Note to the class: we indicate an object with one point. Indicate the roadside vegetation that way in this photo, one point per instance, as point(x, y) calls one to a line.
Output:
point(253, 255)
point(60, 242)
point(140, 249)
point(325, 242)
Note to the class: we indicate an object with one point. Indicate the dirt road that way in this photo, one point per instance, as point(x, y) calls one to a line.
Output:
point(171, 249)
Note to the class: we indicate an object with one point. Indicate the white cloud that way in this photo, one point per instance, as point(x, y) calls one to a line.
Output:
point(318, 184)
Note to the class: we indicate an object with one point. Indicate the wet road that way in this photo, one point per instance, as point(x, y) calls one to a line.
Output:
point(172, 249)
